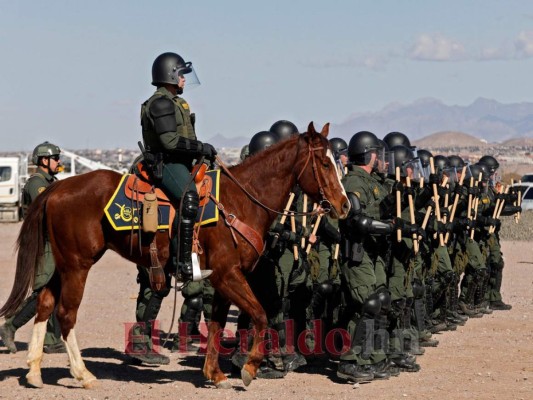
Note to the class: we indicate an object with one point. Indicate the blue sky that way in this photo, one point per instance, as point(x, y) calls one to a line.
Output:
point(76, 73)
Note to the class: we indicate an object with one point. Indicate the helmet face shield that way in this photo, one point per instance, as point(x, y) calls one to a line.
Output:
point(381, 166)
point(187, 72)
point(413, 169)
point(451, 173)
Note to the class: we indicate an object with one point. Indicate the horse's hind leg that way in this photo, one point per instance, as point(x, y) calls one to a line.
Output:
point(45, 306)
point(72, 287)
point(212, 369)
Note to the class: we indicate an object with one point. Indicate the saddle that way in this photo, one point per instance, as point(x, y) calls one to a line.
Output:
point(140, 183)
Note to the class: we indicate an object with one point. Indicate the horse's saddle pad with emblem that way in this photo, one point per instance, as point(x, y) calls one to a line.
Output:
point(123, 210)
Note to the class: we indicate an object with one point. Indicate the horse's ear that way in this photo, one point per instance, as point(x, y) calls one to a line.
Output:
point(325, 130)
point(311, 128)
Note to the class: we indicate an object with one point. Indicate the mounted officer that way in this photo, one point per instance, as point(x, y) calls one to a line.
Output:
point(171, 147)
point(46, 157)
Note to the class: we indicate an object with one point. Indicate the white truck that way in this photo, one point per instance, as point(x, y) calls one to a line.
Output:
point(13, 176)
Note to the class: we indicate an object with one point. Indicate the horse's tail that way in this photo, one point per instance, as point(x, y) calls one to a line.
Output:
point(30, 247)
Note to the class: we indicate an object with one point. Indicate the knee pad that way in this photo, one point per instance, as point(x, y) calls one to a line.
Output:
point(324, 288)
point(372, 305)
point(419, 289)
point(195, 303)
point(385, 299)
point(191, 202)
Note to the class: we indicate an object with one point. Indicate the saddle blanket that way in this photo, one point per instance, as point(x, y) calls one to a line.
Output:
point(124, 213)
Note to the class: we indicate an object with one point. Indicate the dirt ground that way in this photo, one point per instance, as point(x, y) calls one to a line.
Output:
point(488, 358)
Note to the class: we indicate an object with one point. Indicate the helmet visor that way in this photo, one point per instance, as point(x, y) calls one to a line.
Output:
point(382, 164)
point(188, 73)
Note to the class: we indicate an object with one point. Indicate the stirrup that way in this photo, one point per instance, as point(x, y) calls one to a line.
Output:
point(197, 273)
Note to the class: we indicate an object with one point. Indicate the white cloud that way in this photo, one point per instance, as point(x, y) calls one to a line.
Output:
point(524, 44)
point(437, 48)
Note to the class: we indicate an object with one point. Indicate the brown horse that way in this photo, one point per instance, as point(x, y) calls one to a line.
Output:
point(70, 214)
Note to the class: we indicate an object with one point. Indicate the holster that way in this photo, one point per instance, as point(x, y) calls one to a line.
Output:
point(352, 250)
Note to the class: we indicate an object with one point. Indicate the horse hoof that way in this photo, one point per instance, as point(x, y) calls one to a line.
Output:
point(246, 377)
point(34, 380)
point(90, 383)
point(223, 385)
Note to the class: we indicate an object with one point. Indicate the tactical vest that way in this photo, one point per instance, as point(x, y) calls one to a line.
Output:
point(184, 126)
point(26, 196)
point(367, 188)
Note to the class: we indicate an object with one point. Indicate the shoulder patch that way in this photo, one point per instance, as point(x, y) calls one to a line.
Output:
point(485, 200)
point(41, 189)
point(185, 105)
point(376, 191)
point(357, 194)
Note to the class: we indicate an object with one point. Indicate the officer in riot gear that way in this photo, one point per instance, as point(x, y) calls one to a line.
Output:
point(284, 129)
point(364, 275)
point(171, 147)
point(340, 153)
point(495, 261)
point(46, 156)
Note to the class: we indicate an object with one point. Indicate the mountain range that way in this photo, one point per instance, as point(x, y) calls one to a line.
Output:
point(485, 119)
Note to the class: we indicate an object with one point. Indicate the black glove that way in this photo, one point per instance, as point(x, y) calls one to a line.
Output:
point(208, 151)
point(422, 233)
point(474, 190)
point(405, 227)
point(458, 189)
point(433, 179)
point(397, 187)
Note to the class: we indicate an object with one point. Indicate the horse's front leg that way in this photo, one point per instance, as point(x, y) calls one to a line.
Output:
point(237, 290)
point(45, 306)
point(212, 369)
point(72, 288)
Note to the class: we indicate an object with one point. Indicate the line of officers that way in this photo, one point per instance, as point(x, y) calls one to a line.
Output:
point(418, 254)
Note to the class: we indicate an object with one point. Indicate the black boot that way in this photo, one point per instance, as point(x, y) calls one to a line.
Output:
point(21, 317)
point(188, 219)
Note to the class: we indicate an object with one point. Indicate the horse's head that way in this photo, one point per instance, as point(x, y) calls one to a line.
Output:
point(317, 172)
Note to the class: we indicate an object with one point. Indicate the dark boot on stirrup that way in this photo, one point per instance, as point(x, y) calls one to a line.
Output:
point(189, 265)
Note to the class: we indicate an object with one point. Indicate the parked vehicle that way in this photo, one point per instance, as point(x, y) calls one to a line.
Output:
point(526, 189)
point(13, 176)
point(527, 178)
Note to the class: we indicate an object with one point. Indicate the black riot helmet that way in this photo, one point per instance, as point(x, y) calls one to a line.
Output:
point(245, 152)
point(284, 129)
point(441, 163)
point(338, 146)
point(261, 140)
point(424, 156)
point(485, 172)
point(403, 157)
point(456, 162)
point(168, 67)
point(491, 162)
point(396, 139)
point(474, 170)
point(361, 145)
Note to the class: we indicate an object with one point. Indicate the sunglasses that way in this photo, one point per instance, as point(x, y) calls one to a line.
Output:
point(55, 158)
